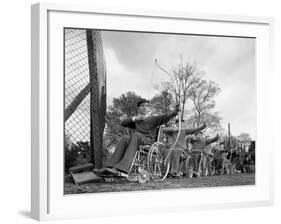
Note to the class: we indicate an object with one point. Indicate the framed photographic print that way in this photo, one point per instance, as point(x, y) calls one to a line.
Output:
point(148, 107)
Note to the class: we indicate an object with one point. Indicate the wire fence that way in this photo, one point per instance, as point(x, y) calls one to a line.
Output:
point(77, 126)
point(85, 96)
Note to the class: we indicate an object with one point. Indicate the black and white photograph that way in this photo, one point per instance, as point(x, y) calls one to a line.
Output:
point(158, 111)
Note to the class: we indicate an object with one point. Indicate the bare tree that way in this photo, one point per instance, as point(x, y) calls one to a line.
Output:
point(202, 95)
point(183, 77)
point(211, 118)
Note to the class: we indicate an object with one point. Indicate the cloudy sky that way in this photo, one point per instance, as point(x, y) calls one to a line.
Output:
point(229, 61)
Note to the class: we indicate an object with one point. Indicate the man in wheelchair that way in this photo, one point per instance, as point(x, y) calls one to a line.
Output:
point(199, 144)
point(144, 132)
point(180, 149)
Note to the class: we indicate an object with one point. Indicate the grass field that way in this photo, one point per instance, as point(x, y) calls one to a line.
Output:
point(121, 184)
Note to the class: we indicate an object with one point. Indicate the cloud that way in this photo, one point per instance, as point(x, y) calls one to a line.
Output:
point(121, 79)
point(135, 50)
point(228, 61)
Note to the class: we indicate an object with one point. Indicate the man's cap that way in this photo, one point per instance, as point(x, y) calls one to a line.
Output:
point(141, 101)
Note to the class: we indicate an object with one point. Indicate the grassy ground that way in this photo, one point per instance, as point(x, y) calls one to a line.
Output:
point(121, 184)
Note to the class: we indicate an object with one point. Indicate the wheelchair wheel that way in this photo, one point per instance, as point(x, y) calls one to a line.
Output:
point(156, 165)
point(143, 176)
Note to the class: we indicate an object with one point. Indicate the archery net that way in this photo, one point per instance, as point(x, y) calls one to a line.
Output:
point(77, 126)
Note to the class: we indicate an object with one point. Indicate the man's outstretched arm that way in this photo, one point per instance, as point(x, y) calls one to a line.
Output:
point(209, 141)
point(188, 131)
point(194, 130)
point(162, 119)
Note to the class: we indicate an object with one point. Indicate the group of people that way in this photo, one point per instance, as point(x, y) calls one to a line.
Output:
point(144, 132)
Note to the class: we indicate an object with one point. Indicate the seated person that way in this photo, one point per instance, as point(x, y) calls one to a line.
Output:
point(199, 143)
point(180, 146)
point(144, 132)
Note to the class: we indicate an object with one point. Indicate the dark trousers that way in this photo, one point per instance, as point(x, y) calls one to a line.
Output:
point(196, 157)
point(175, 157)
point(124, 153)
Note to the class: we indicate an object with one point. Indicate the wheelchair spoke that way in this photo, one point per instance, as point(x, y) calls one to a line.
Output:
point(156, 167)
point(159, 168)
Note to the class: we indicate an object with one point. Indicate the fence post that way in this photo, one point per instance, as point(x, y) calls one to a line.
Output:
point(95, 140)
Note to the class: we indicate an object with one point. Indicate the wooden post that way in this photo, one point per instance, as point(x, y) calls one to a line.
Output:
point(95, 140)
point(229, 138)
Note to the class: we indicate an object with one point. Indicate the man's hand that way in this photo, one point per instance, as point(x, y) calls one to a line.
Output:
point(138, 118)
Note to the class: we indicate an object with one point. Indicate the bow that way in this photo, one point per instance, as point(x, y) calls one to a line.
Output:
point(178, 103)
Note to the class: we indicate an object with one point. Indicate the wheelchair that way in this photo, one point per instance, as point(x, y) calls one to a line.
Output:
point(202, 165)
point(205, 164)
point(197, 160)
point(150, 163)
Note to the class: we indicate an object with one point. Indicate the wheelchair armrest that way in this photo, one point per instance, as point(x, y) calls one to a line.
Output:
point(144, 148)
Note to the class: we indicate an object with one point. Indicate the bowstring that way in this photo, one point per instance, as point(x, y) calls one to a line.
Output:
point(177, 138)
point(151, 79)
point(179, 113)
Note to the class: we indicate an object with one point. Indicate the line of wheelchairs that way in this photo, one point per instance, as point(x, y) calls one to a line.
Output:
point(152, 162)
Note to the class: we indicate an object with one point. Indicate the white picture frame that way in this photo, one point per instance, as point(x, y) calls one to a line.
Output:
point(48, 201)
